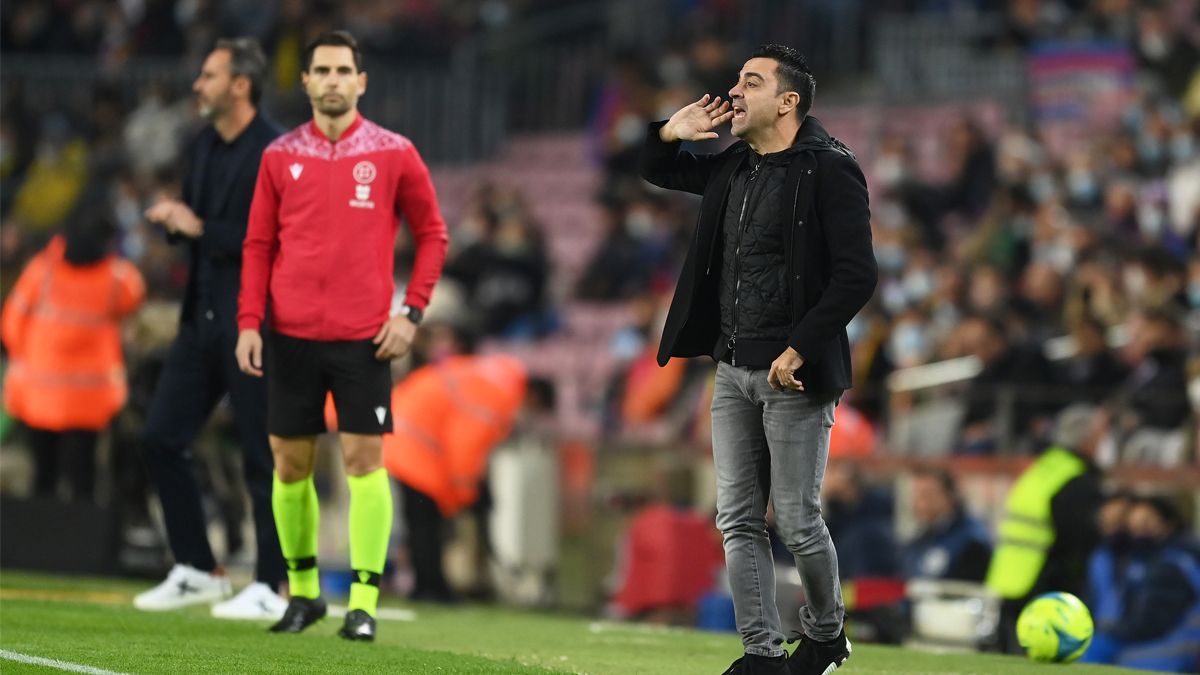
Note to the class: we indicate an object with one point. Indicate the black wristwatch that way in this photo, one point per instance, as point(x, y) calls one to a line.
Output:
point(411, 313)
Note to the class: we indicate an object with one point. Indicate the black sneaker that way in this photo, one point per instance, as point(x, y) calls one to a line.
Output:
point(300, 614)
point(819, 658)
point(752, 664)
point(358, 626)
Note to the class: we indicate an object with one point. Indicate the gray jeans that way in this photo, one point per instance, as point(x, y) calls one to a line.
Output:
point(773, 444)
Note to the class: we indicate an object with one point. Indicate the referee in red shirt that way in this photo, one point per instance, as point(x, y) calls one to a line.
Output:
point(319, 246)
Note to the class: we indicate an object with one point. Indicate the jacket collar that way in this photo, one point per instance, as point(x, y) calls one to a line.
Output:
point(811, 136)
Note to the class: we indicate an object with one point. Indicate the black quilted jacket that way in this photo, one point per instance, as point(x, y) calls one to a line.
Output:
point(806, 259)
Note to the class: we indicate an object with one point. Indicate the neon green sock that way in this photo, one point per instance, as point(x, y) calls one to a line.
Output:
point(298, 518)
point(370, 527)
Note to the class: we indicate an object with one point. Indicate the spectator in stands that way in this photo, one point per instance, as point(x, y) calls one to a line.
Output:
point(1015, 384)
point(1155, 394)
point(504, 272)
point(1159, 627)
point(1050, 524)
point(1108, 566)
point(619, 269)
point(1093, 373)
point(62, 329)
point(1164, 48)
point(950, 543)
point(969, 191)
point(55, 179)
point(859, 518)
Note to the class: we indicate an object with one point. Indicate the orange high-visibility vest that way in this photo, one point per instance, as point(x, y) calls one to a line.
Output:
point(448, 417)
point(62, 328)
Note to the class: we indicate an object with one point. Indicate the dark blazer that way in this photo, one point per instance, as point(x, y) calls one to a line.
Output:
point(225, 228)
point(826, 237)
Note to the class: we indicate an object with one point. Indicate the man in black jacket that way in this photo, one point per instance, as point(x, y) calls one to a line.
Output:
point(780, 263)
point(200, 368)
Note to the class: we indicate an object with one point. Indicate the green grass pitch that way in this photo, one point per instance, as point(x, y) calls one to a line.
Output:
point(92, 623)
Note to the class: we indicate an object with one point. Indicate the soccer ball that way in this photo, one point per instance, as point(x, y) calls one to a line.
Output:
point(1055, 627)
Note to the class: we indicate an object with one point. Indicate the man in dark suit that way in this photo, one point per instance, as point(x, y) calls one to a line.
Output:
point(200, 368)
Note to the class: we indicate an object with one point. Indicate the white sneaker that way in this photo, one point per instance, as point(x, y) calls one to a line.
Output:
point(185, 585)
point(256, 601)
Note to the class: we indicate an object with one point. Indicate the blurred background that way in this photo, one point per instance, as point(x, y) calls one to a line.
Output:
point(1034, 171)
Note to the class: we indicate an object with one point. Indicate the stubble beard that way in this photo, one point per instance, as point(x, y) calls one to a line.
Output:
point(333, 109)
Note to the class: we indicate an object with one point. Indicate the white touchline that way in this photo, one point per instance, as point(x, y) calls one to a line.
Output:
point(54, 663)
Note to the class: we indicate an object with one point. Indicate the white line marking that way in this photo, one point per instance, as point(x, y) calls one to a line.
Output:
point(54, 663)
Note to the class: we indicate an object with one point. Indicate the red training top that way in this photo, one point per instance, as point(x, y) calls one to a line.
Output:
point(322, 232)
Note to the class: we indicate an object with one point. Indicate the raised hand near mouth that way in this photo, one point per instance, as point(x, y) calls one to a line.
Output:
point(696, 121)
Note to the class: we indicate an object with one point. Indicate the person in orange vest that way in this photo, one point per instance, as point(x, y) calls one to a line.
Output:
point(61, 326)
point(449, 415)
point(449, 412)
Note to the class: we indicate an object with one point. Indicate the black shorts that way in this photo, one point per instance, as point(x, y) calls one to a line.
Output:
point(301, 372)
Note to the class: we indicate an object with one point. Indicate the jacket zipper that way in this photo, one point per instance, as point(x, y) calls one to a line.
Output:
point(737, 260)
point(796, 232)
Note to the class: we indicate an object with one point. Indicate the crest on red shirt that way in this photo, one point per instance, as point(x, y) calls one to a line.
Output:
point(364, 172)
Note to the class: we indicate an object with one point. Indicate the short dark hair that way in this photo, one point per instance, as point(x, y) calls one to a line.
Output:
point(1166, 509)
point(246, 59)
point(942, 477)
point(333, 38)
point(792, 72)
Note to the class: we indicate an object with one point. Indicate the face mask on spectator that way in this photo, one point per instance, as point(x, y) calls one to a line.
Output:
point(889, 171)
point(918, 284)
point(1042, 187)
point(1151, 219)
point(1083, 187)
point(890, 215)
point(1182, 146)
point(1143, 545)
point(1149, 149)
point(892, 296)
point(907, 345)
point(1118, 542)
point(639, 223)
point(891, 257)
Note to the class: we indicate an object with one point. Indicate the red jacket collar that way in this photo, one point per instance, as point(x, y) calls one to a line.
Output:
point(358, 121)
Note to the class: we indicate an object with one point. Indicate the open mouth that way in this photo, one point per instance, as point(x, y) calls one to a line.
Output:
point(739, 112)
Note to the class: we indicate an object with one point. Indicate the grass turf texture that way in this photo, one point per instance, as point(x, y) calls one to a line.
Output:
point(91, 622)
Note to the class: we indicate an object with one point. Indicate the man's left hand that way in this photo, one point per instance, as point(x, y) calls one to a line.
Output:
point(783, 371)
point(176, 217)
point(395, 338)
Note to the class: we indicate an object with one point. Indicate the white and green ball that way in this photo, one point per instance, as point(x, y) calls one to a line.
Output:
point(1055, 627)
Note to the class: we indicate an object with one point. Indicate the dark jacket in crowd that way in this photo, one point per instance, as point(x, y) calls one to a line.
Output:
point(805, 260)
point(955, 548)
point(220, 192)
point(1158, 390)
point(1163, 598)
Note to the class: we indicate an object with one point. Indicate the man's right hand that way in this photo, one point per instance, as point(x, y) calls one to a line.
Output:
point(696, 121)
point(249, 352)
